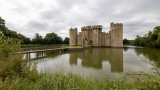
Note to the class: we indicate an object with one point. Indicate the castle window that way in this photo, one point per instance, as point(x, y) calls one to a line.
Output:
point(118, 35)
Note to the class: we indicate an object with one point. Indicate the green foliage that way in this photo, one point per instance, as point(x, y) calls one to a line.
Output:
point(24, 40)
point(7, 47)
point(125, 41)
point(53, 38)
point(11, 63)
point(60, 81)
point(66, 40)
point(12, 34)
point(37, 39)
point(128, 42)
point(50, 38)
point(152, 39)
point(2, 25)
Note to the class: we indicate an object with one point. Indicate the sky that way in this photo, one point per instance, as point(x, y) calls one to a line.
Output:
point(46, 16)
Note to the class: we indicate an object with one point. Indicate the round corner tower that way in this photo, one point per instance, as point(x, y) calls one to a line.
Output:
point(73, 37)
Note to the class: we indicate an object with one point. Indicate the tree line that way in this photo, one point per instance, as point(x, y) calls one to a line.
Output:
point(50, 38)
point(151, 39)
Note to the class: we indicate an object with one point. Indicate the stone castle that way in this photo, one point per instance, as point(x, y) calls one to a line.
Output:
point(93, 36)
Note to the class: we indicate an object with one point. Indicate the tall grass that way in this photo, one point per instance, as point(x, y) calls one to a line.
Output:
point(59, 81)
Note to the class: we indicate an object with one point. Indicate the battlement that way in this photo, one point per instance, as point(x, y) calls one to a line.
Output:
point(116, 24)
point(91, 27)
point(73, 29)
point(97, 27)
point(86, 28)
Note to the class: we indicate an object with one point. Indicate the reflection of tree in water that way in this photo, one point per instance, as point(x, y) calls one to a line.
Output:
point(151, 53)
point(94, 57)
point(49, 55)
point(125, 49)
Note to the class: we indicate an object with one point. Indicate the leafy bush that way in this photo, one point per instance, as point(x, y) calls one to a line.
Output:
point(11, 63)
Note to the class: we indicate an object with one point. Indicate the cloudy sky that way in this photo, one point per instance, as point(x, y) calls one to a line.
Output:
point(45, 16)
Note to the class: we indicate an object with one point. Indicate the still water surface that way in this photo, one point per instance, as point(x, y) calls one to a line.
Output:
point(97, 62)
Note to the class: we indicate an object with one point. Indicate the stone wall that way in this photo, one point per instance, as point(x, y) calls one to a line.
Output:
point(107, 39)
point(79, 38)
point(103, 38)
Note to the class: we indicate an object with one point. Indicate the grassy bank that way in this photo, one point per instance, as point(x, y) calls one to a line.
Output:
point(40, 45)
point(60, 81)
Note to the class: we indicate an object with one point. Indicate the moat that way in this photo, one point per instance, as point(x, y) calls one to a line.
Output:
point(97, 62)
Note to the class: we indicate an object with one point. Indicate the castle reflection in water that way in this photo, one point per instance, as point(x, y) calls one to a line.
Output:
point(97, 62)
point(94, 58)
point(90, 58)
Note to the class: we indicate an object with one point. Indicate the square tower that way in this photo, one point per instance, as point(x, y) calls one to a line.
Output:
point(73, 37)
point(116, 34)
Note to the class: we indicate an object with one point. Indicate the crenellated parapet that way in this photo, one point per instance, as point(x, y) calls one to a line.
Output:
point(95, 27)
point(86, 28)
point(116, 24)
point(73, 29)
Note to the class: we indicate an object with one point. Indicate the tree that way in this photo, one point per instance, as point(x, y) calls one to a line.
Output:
point(66, 40)
point(6, 31)
point(37, 39)
point(125, 41)
point(151, 39)
point(12, 34)
point(24, 40)
point(53, 38)
point(158, 40)
point(2, 25)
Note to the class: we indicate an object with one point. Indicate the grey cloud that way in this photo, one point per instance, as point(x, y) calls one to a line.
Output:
point(37, 25)
point(50, 14)
point(70, 3)
point(138, 16)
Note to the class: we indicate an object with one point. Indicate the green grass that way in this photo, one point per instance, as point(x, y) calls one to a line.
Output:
point(74, 47)
point(60, 81)
point(39, 45)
